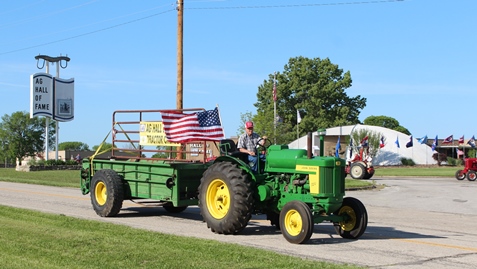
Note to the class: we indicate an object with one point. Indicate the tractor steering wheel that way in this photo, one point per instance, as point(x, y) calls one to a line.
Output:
point(263, 143)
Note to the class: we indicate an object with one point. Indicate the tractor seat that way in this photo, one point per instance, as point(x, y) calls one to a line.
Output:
point(228, 147)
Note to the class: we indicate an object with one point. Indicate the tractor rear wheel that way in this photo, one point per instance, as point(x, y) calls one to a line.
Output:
point(459, 175)
point(356, 218)
point(357, 170)
point(225, 198)
point(296, 222)
point(471, 175)
point(107, 193)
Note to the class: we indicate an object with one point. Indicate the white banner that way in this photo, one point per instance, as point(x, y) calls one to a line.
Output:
point(64, 96)
point(41, 95)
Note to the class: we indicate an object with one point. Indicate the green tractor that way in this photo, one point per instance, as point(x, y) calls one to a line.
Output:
point(294, 189)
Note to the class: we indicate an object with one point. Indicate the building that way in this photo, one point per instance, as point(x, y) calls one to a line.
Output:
point(390, 154)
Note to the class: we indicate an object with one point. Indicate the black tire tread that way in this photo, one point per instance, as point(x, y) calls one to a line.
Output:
point(115, 193)
point(241, 198)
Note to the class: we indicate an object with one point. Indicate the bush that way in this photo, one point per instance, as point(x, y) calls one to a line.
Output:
point(407, 162)
point(55, 162)
point(71, 162)
point(439, 157)
point(451, 161)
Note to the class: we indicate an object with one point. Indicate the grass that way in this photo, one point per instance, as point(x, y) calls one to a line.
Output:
point(31, 239)
point(417, 171)
point(59, 178)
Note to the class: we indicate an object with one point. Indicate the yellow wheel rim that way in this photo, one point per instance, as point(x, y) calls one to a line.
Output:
point(100, 193)
point(218, 199)
point(293, 222)
point(349, 224)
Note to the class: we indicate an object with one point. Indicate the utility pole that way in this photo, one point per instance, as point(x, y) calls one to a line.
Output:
point(57, 61)
point(180, 60)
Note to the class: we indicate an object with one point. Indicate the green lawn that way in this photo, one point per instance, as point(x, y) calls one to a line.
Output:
point(417, 171)
point(30, 239)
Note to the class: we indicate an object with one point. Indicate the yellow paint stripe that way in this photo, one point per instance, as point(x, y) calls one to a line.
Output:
point(434, 244)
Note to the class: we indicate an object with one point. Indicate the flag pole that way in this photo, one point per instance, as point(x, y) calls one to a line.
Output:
point(274, 96)
point(220, 118)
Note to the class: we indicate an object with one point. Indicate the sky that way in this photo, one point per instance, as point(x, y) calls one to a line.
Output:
point(413, 60)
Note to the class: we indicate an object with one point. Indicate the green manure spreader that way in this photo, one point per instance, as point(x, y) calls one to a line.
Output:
point(293, 188)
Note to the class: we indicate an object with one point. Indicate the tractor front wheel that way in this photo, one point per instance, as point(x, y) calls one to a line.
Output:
point(471, 176)
point(225, 198)
point(459, 175)
point(296, 222)
point(357, 170)
point(355, 219)
point(107, 193)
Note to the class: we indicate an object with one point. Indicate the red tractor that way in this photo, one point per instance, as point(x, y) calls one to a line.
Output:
point(469, 171)
point(360, 167)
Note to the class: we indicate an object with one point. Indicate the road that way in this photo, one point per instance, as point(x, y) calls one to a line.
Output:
point(413, 223)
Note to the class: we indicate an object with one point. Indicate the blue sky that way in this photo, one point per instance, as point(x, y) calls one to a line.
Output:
point(414, 60)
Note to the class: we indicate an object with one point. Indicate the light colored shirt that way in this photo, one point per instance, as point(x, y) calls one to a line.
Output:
point(248, 142)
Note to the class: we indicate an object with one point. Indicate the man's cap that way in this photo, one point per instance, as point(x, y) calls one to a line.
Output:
point(249, 124)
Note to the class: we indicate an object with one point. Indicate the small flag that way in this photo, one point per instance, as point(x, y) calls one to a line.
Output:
point(381, 142)
point(434, 144)
point(460, 152)
point(448, 139)
point(422, 140)
point(338, 147)
point(274, 90)
point(397, 142)
point(409, 144)
point(461, 140)
point(364, 141)
point(471, 142)
point(298, 117)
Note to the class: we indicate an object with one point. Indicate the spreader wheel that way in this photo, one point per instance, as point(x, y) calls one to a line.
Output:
point(357, 170)
point(460, 175)
point(225, 198)
point(356, 218)
point(471, 176)
point(169, 207)
point(107, 193)
point(296, 222)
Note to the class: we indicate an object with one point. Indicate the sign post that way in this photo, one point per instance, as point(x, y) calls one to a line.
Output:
point(51, 97)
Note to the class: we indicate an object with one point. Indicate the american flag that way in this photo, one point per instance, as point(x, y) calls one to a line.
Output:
point(461, 140)
point(199, 126)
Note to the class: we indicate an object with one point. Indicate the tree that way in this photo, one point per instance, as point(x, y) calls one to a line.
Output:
point(314, 87)
point(22, 136)
point(386, 122)
point(74, 146)
point(374, 139)
point(105, 146)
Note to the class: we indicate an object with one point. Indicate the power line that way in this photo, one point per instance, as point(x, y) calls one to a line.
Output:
point(197, 8)
point(88, 33)
point(302, 5)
